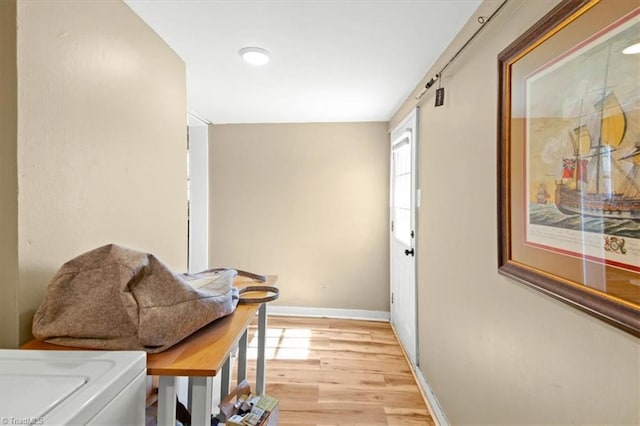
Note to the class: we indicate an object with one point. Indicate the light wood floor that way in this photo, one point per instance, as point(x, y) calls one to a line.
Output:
point(338, 372)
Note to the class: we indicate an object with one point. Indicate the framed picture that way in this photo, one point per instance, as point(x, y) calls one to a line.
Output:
point(569, 158)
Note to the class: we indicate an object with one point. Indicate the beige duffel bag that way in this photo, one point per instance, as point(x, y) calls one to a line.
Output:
point(117, 298)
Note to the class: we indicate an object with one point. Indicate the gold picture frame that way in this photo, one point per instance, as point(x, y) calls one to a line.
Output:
point(569, 159)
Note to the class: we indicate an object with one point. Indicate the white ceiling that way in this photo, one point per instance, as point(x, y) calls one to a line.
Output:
point(332, 60)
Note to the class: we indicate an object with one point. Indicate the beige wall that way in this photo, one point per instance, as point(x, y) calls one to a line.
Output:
point(102, 140)
point(8, 177)
point(308, 202)
point(495, 351)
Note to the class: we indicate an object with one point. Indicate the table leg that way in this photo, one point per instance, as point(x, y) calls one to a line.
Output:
point(225, 379)
point(167, 401)
point(262, 341)
point(200, 389)
point(242, 357)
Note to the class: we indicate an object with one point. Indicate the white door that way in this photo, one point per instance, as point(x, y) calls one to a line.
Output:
point(403, 233)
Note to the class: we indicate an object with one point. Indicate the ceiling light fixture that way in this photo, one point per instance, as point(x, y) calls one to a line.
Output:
point(255, 55)
point(634, 49)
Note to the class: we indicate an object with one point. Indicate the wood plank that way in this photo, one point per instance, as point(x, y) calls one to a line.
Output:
point(344, 335)
point(407, 416)
point(399, 380)
point(290, 394)
point(364, 366)
point(346, 354)
point(347, 324)
point(302, 376)
point(369, 395)
point(342, 413)
point(365, 347)
point(284, 364)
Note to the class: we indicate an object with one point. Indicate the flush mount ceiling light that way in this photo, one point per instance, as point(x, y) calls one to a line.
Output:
point(634, 49)
point(255, 55)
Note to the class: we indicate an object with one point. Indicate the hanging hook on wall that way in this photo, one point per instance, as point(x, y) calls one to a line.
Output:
point(432, 81)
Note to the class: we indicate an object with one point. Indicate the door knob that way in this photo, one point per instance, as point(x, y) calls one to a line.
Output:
point(409, 252)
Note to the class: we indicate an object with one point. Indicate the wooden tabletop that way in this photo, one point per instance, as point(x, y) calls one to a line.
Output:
point(202, 353)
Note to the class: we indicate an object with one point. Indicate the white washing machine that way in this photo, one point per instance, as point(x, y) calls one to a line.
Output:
point(72, 387)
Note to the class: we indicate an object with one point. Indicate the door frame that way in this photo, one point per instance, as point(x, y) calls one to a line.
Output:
point(198, 194)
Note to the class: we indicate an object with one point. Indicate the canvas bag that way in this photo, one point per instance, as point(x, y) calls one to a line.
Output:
point(117, 298)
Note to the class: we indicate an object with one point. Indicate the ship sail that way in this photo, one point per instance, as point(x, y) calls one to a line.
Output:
point(613, 123)
point(632, 187)
point(606, 176)
point(634, 157)
point(581, 140)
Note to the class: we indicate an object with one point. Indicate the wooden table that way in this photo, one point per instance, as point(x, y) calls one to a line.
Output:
point(201, 356)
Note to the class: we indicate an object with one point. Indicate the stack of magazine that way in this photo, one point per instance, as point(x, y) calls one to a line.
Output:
point(255, 410)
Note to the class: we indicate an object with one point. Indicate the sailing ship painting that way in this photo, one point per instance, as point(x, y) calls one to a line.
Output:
point(582, 149)
point(599, 183)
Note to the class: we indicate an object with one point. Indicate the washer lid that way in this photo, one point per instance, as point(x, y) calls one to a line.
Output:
point(30, 396)
point(63, 387)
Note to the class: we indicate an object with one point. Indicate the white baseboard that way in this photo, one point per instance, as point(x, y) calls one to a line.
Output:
point(436, 409)
point(437, 414)
point(300, 311)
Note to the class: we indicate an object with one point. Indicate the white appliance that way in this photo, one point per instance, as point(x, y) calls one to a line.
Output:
point(72, 387)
